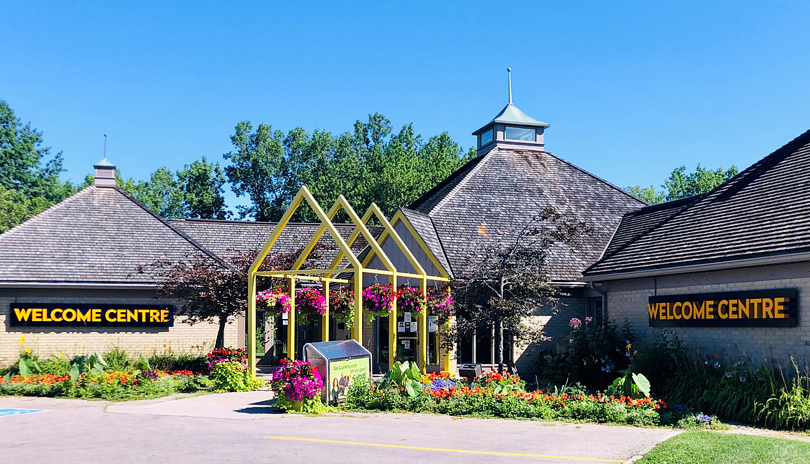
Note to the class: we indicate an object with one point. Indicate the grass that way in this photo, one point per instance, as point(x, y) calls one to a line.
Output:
point(711, 447)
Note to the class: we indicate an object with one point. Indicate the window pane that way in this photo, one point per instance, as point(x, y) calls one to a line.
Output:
point(520, 133)
point(486, 137)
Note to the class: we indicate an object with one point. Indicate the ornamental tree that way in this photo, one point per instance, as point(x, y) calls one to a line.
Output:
point(212, 289)
point(507, 278)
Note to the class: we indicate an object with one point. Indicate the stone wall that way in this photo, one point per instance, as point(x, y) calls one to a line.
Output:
point(627, 302)
point(46, 341)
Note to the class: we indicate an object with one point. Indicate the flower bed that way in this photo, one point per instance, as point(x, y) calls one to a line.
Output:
point(503, 395)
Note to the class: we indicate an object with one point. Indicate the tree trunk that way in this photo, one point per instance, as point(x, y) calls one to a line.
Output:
point(500, 346)
point(220, 343)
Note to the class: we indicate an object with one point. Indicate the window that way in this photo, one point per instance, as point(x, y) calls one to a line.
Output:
point(520, 133)
point(485, 138)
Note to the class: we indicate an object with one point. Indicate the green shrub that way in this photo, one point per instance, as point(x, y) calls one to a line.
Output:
point(56, 366)
point(658, 360)
point(178, 362)
point(592, 354)
point(233, 377)
point(117, 360)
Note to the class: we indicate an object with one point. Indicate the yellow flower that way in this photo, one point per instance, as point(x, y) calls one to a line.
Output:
point(22, 337)
point(61, 354)
point(170, 348)
point(629, 346)
point(635, 352)
point(28, 350)
point(82, 343)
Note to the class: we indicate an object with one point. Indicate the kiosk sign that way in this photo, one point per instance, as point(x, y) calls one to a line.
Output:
point(755, 308)
point(341, 373)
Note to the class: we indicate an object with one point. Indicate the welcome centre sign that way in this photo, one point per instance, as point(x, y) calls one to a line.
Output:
point(755, 308)
point(120, 315)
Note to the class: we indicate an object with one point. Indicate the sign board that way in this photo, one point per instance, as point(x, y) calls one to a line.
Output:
point(400, 326)
point(433, 323)
point(754, 308)
point(341, 373)
point(90, 315)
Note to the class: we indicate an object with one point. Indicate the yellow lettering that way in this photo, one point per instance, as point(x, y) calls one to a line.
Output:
point(132, 315)
point(96, 314)
point(754, 304)
point(107, 315)
point(700, 312)
point(45, 317)
point(37, 315)
point(710, 309)
point(767, 308)
point(69, 315)
point(121, 315)
point(779, 308)
point(723, 315)
point(732, 309)
point(652, 308)
point(54, 315)
point(675, 313)
point(84, 316)
point(22, 314)
point(742, 307)
point(691, 307)
point(164, 315)
point(154, 314)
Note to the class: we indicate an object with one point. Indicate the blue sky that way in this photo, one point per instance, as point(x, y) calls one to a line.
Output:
point(631, 89)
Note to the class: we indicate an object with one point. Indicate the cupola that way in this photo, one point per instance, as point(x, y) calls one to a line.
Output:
point(105, 171)
point(511, 128)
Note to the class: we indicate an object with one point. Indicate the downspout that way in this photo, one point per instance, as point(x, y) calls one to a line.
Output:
point(604, 301)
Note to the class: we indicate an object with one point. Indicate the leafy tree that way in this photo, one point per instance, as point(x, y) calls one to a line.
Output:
point(196, 191)
point(21, 161)
point(681, 184)
point(508, 279)
point(202, 188)
point(16, 207)
point(211, 290)
point(369, 164)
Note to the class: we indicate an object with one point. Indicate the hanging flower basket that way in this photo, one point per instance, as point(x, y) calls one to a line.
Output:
point(410, 300)
point(440, 303)
point(341, 305)
point(378, 300)
point(275, 301)
point(310, 304)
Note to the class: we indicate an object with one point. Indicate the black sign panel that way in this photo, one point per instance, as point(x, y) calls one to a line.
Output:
point(90, 315)
point(754, 308)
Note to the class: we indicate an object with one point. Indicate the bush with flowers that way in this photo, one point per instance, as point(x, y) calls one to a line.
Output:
point(410, 300)
point(310, 305)
point(230, 355)
point(378, 300)
point(341, 305)
point(297, 386)
point(504, 395)
point(593, 354)
point(440, 303)
point(275, 301)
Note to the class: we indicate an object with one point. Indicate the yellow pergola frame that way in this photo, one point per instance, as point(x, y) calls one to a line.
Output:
point(357, 268)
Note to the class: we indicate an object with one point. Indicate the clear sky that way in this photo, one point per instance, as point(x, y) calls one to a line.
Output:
point(631, 89)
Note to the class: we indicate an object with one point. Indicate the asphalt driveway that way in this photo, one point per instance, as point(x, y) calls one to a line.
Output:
point(242, 428)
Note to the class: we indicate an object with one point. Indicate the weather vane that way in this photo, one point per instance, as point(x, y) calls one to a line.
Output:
point(509, 73)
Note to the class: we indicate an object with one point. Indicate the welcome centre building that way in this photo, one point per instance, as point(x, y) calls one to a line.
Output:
point(726, 269)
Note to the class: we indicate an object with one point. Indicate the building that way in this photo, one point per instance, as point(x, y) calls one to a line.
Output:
point(727, 271)
point(84, 253)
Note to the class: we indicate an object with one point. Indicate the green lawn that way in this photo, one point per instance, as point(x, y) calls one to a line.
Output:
point(713, 447)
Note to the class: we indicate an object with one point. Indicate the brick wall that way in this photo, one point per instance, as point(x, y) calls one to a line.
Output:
point(45, 341)
point(627, 302)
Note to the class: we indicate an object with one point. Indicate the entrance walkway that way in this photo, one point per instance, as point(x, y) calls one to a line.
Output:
point(241, 427)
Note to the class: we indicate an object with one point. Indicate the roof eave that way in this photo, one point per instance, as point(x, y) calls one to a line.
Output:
point(699, 267)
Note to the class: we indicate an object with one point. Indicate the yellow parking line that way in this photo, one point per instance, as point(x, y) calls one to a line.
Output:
point(446, 450)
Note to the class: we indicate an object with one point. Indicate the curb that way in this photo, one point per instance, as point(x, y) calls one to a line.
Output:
point(649, 448)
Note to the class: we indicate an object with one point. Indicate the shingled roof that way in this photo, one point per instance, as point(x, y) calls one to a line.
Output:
point(99, 235)
point(223, 237)
point(764, 211)
point(500, 191)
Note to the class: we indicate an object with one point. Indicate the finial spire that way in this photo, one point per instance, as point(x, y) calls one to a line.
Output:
point(509, 72)
point(105, 143)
